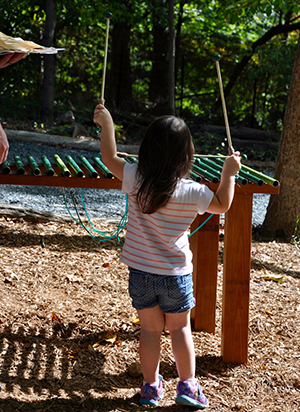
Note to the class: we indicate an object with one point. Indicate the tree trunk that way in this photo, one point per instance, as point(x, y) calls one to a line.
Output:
point(158, 89)
point(179, 53)
point(47, 108)
point(171, 57)
point(33, 215)
point(284, 209)
point(119, 78)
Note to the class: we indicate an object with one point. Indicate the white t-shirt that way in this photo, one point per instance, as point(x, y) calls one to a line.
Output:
point(158, 243)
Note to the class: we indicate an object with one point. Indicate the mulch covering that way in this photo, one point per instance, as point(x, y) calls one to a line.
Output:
point(69, 335)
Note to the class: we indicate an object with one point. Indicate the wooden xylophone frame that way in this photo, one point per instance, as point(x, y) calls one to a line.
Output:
point(236, 257)
point(236, 272)
point(59, 180)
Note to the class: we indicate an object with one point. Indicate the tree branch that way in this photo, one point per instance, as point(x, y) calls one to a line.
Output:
point(274, 31)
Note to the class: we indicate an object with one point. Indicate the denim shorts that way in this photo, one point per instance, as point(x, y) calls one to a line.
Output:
point(174, 294)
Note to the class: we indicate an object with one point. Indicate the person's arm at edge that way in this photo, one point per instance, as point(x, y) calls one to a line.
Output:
point(6, 60)
point(109, 155)
point(4, 145)
point(10, 58)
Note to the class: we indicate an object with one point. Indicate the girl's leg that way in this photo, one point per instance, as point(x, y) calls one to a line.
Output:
point(178, 324)
point(152, 322)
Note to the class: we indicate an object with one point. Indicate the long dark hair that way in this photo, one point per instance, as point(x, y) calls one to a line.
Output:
point(165, 156)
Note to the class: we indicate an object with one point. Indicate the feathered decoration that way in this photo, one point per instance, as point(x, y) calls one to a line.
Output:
point(17, 45)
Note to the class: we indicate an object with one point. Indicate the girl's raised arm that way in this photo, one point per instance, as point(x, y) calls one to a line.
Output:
point(222, 200)
point(108, 145)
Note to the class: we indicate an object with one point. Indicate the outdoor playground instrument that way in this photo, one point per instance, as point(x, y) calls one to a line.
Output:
point(209, 167)
point(205, 169)
point(68, 173)
point(204, 243)
point(216, 59)
point(108, 16)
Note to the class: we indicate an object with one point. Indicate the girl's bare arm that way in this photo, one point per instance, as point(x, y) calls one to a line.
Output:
point(223, 198)
point(108, 145)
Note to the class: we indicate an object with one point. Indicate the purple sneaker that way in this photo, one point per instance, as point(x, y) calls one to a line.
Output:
point(190, 394)
point(151, 394)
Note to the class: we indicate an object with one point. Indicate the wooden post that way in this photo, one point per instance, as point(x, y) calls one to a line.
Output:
point(205, 247)
point(236, 282)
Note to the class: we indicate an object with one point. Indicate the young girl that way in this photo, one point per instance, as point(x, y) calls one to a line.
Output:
point(162, 205)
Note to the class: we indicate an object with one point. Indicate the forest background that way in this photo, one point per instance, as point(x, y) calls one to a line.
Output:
point(159, 61)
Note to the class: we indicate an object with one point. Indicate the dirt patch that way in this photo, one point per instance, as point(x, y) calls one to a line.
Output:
point(69, 341)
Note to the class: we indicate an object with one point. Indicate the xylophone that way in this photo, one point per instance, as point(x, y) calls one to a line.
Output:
point(94, 174)
point(60, 172)
point(204, 243)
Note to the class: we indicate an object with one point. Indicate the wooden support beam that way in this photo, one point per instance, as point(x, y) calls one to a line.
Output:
point(205, 271)
point(236, 282)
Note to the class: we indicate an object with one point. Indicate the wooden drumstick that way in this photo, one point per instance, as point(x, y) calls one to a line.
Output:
point(216, 58)
point(108, 16)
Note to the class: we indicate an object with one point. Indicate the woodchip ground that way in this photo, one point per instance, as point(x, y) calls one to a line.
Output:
point(69, 336)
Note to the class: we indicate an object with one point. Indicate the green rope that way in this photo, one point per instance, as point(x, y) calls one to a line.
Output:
point(121, 225)
point(111, 234)
point(104, 235)
point(202, 224)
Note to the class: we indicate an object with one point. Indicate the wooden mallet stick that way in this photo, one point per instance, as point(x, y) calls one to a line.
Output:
point(217, 58)
point(108, 16)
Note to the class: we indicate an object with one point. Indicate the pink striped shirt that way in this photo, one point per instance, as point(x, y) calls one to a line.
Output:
point(158, 243)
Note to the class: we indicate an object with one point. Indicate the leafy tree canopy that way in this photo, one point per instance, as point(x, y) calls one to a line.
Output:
point(260, 36)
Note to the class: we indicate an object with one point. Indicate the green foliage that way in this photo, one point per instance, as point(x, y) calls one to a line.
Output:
point(209, 143)
point(257, 9)
point(295, 239)
point(120, 134)
point(203, 29)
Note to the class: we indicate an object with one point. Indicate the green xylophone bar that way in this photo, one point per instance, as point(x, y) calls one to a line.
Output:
point(130, 160)
point(74, 165)
point(48, 166)
point(107, 173)
point(133, 159)
point(244, 173)
point(209, 168)
point(88, 166)
point(66, 172)
point(5, 167)
point(19, 164)
point(259, 175)
point(205, 173)
point(196, 177)
point(33, 164)
point(219, 168)
point(265, 178)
